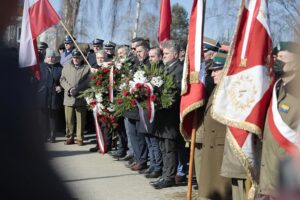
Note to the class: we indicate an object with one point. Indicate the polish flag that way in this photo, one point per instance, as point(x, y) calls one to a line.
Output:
point(193, 80)
point(38, 16)
point(243, 95)
point(164, 29)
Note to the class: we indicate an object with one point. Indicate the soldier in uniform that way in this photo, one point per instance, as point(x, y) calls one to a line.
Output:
point(211, 184)
point(66, 56)
point(97, 46)
point(42, 51)
point(109, 48)
point(74, 79)
point(282, 121)
point(209, 51)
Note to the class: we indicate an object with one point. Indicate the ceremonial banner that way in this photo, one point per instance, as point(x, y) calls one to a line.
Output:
point(164, 29)
point(38, 16)
point(193, 84)
point(243, 95)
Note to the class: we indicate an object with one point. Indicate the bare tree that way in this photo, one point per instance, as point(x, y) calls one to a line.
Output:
point(70, 10)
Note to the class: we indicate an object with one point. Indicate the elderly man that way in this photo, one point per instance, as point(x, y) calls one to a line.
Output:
point(212, 137)
point(282, 123)
point(50, 96)
point(66, 55)
point(166, 123)
point(74, 79)
point(97, 46)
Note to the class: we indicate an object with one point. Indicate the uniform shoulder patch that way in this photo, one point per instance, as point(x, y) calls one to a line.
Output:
point(284, 108)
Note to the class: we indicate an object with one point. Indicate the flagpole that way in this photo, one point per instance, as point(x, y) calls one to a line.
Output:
point(76, 44)
point(192, 153)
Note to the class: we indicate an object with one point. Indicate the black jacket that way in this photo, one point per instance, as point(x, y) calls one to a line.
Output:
point(166, 122)
point(47, 97)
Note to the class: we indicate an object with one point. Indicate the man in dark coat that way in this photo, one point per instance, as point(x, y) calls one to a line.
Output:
point(97, 46)
point(133, 124)
point(166, 124)
point(50, 95)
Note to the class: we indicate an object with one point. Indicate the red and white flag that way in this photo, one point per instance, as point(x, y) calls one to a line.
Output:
point(243, 95)
point(164, 29)
point(193, 81)
point(38, 16)
point(286, 137)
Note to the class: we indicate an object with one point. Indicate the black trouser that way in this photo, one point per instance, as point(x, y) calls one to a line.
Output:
point(122, 137)
point(168, 149)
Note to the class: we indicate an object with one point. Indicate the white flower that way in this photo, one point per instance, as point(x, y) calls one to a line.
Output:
point(122, 75)
point(131, 84)
point(89, 99)
point(111, 108)
point(118, 66)
point(105, 65)
point(139, 77)
point(99, 97)
point(122, 86)
point(100, 108)
point(157, 81)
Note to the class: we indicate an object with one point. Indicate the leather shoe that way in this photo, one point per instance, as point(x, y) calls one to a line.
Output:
point(129, 165)
point(146, 171)
point(80, 143)
point(154, 182)
point(153, 175)
point(180, 179)
point(126, 158)
point(138, 167)
point(94, 149)
point(69, 142)
point(163, 183)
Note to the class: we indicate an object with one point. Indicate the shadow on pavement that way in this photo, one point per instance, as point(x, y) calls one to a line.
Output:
point(55, 154)
point(101, 177)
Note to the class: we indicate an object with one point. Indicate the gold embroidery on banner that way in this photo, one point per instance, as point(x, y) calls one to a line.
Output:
point(242, 93)
point(238, 152)
point(243, 62)
point(186, 111)
point(194, 78)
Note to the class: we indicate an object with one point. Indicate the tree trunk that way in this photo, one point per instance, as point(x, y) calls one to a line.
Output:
point(138, 11)
point(70, 10)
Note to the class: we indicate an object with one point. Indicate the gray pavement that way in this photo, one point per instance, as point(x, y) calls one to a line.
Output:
point(93, 176)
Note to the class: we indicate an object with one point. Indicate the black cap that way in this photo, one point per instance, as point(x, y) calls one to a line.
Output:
point(76, 53)
point(210, 45)
point(97, 42)
point(218, 61)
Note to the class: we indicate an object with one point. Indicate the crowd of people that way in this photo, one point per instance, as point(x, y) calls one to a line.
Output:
point(161, 152)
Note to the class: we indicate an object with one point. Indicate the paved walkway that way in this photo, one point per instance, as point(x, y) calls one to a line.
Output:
point(92, 176)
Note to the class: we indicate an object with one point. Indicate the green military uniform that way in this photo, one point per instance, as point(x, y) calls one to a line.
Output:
point(212, 184)
point(232, 168)
point(272, 152)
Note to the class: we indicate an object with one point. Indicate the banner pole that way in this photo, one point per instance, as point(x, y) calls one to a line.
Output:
point(76, 45)
point(192, 153)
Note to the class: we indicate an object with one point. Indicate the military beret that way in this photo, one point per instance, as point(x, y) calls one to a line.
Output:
point(42, 45)
point(97, 42)
point(110, 45)
point(68, 39)
point(286, 46)
point(210, 44)
point(218, 61)
point(76, 53)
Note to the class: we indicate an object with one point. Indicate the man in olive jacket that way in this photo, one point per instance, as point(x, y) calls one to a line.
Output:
point(74, 79)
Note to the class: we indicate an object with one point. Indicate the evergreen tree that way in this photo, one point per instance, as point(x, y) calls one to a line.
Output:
point(179, 26)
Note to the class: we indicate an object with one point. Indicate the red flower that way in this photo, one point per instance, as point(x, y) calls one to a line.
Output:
point(100, 76)
point(115, 71)
point(93, 77)
point(138, 85)
point(124, 92)
point(132, 102)
point(93, 103)
point(119, 101)
point(153, 97)
point(98, 83)
point(105, 70)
